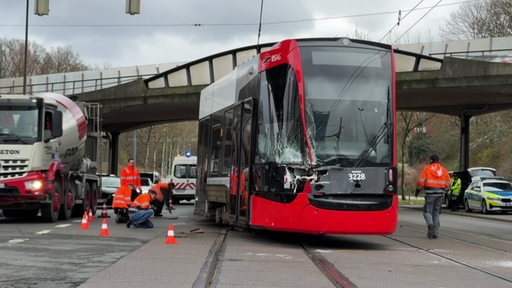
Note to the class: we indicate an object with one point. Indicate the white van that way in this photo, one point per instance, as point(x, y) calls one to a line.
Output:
point(183, 175)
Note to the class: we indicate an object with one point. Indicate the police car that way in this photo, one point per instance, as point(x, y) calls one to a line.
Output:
point(488, 194)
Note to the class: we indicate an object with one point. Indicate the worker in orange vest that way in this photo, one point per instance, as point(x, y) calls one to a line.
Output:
point(130, 174)
point(140, 211)
point(121, 202)
point(162, 197)
point(434, 180)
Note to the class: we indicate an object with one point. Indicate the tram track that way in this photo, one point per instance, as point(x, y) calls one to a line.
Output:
point(209, 269)
point(471, 243)
point(208, 276)
point(220, 259)
point(454, 259)
point(337, 278)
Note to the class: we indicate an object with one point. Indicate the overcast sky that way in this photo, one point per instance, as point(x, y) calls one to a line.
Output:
point(183, 30)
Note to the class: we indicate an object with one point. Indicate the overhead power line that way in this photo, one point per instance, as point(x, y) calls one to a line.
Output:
point(237, 24)
point(417, 21)
point(399, 19)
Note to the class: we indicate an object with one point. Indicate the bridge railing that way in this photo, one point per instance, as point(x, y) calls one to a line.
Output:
point(83, 81)
point(209, 69)
point(497, 49)
point(206, 70)
point(408, 58)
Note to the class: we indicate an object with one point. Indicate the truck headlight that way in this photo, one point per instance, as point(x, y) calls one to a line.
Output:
point(34, 185)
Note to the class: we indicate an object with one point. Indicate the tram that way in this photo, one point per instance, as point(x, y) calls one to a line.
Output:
point(302, 138)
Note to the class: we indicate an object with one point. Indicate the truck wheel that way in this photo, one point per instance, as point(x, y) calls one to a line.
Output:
point(94, 198)
point(50, 211)
point(66, 208)
point(78, 210)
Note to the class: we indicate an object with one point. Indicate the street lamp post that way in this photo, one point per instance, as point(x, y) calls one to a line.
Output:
point(42, 7)
point(26, 52)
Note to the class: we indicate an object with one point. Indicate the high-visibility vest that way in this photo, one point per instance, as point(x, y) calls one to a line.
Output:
point(233, 185)
point(122, 197)
point(130, 174)
point(158, 189)
point(142, 201)
point(455, 186)
point(434, 176)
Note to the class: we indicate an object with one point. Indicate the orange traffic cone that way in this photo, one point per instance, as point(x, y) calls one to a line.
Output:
point(170, 236)
point(90, 217)
point(104, 229)
point(85, 222)
point(104, 213)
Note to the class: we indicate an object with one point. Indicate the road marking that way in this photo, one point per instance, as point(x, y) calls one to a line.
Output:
point(17, 241)
point(43, 232)
point(500, 263)
point(63, 225)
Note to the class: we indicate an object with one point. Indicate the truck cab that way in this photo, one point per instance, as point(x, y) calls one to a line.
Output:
point(42, 164)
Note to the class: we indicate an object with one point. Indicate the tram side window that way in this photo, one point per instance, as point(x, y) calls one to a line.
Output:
point(202, 153)
point(228, 141)
point(216, 146)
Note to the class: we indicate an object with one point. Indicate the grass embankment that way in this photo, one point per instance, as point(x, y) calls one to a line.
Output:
point(411, 200)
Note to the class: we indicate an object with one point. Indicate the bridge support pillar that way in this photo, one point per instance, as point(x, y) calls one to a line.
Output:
point(464, 142)
point(115, 153)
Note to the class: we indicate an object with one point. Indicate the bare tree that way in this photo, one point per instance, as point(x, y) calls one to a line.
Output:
point(61, 59)
point(39, 60)
point(157, 143)
point(410, 121)
point(480, 19)
point(146, 136)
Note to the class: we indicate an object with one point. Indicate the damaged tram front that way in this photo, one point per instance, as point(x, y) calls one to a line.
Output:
point(302, 138)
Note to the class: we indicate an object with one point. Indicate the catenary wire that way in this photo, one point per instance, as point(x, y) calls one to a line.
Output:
point(235, 24)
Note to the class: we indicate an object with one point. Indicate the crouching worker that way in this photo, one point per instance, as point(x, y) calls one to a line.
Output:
point(162, 197)
point(140, 211)
point(121, 202)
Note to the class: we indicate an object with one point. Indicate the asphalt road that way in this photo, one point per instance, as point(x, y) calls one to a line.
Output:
point(473, 251)
point(39, 254)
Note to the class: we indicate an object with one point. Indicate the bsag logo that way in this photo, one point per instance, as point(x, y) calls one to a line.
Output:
point(276, 57)
point(272, 58)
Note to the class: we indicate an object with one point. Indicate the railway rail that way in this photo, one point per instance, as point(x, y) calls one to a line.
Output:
point(471, 252)
point(464, 250)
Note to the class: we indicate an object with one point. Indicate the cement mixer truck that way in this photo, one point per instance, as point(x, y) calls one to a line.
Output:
point(43, 163)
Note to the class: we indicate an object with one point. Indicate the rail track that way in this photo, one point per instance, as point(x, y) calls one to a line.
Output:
point(328, 264)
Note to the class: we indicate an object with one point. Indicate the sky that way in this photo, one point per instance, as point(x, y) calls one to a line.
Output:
point(169, 31)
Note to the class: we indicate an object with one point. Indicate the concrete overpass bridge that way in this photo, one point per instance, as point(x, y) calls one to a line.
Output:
point(440, 77)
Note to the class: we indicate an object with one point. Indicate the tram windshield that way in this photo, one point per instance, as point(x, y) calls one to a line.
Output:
point(348, 105)
point(347, 109)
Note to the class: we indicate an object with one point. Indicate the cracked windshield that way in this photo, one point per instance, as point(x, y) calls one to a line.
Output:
point(346, 114)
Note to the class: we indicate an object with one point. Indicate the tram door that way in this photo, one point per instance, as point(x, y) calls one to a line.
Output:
point(240, 179)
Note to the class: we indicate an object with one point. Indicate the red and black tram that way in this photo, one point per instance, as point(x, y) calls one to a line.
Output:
point(301, 138)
